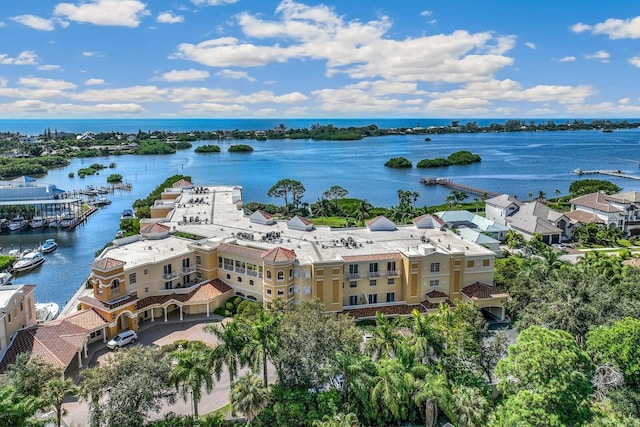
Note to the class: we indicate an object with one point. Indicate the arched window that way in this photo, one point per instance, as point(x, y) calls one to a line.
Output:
point(280, 276)
point(115, 284)
point(268, 274)
point(291, 273)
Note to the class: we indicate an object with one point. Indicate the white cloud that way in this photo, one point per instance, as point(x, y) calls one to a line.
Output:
point(265, 112)
point(2, 24)
point(35, 22)
point(614, 28)
point(235, 75)
point(51, 67)
point(122, 13)
point(360, 50)
point(41, 83)
point(567, 59)
point(207, 108)
point(94, 82)
point(530, 45)
point(602, 55)
point(200, 94)
point(425, 13)
point(183, 75)
point(268, 97)
point(35, 107)
point(635, 61)
point(169, 18)
point(124, 94)
point(90, 54)
point(25, 57)
point(624, 101)
point(213, 2)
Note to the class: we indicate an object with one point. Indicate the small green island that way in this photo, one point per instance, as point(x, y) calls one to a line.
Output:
point(458, 158)
point(207, 149)
point(240, 148)
point(114, 177)
point(399, 162)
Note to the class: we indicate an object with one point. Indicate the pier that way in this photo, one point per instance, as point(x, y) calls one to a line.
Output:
point(610, 172)
point(450, 184)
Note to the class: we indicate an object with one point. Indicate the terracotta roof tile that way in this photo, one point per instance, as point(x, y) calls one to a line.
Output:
point(105, 304)
point(241, 250)
point(436, 294)
point(480, 290)
point(107, 263)
point(89, 319)
point(213, 289)
point(584, 217)
point(154, 228)
point(279, 254)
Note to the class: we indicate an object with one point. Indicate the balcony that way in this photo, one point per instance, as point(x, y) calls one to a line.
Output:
point(393, 273)
point(355, 276)
point(170, 276)
point(374, 274)
point(188, 270)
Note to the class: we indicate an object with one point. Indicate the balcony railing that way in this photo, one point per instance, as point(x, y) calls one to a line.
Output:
point(393, 273)
point(170, 276)
point(188, 270)
point(374, 274)
point(355, 275)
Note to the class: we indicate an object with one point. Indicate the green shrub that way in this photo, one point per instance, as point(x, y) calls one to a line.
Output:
point(398, 162)
point(219, 311)
point(240, 148)
point(114, 177)
point(207, 149)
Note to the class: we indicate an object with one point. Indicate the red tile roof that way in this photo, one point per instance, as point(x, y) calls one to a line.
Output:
point(241, 250)
point(436, 294)
point(584, 217)
point(94, 302)
point(213, 289)
point(155, 228)
point(279, 254)
point(393, 310)
point(480, 290)
point(107, 263)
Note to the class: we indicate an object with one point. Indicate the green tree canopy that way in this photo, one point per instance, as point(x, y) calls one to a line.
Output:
point(286, 188)
point(586, 186)
point(618, 344)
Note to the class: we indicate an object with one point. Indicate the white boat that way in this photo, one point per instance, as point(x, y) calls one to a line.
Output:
point(127, 214)
point(18, 253)
point(102, 201)
point(37, 222)
point(28, 261)
point(46, 312)
point(5, 278)
point(67, 220)
point(17, 223)
point(49, 245)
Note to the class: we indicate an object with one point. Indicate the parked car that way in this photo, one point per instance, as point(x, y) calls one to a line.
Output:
point(122, 339)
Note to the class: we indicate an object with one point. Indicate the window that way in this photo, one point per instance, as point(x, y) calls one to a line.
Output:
point(268, 291)
point(99, 290)
point(391, 297)
point(21, 307)
point(168, 285)
point(319, 272)
point(268, 274)
point(132, 278)
point(470, 264)
point(167, 269)
point(280, 276)
point(291, 273)
point(353, 299)
point(391, 266)
point(280, 293)
point(353, 270)
point(146, 289)
point(228, 277)
point(9, 317)
point(353, 284)
point(115, 284)
point(251, 282)
point(199, 260)
point(435, 267)
point(391, 281)
point(373, 267)
point(239, 279)
point(373, 282)
point(307, 274)
point(434, 283)
point(145, 271)
point(291, 290)
point(185, 263)
point(486, 263)
point(373, 298)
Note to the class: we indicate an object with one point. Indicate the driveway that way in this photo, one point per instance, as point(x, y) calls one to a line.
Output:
point(160, 333)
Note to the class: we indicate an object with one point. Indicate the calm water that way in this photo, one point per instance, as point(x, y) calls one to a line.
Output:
point(511, 163)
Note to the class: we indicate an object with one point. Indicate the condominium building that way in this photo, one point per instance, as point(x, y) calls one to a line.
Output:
point(17, 311)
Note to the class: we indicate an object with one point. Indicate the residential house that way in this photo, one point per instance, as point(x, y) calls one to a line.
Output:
point(621, 210)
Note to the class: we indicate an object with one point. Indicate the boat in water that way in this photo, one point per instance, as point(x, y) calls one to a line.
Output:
point(28, 262)
point(49, 245)
point(36, 222)
point(17, 223)
point(67, 220)
point(46, 312)
point(127, 214)
point(102, 201)
point(5, 278)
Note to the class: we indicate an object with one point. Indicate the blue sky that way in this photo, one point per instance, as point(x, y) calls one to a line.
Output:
point(262, 58)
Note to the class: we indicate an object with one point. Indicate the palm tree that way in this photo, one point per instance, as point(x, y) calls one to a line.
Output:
point(433, 392)
point(362, 211)
point(427, 338)
point(249, 396)
point(469, 406)
point(262, 342)
point(385, 338)
point(338, 420)
point(231, 348)
point(54, 392)
point(541, 196)
point(389, 390)
point(191, 372)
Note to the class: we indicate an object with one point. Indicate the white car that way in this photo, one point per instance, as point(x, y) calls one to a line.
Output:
point(122, 339)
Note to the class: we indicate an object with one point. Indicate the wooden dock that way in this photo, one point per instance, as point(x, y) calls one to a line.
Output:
point(610, 172)
point(450, 184)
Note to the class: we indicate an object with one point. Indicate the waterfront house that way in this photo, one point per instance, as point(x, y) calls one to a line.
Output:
point(621, 210)
point(468, 220)
point(501, 207)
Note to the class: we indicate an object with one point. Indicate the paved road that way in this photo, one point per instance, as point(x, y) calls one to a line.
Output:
point(162, 334)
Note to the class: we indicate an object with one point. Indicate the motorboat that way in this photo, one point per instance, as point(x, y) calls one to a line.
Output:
point(18, 223)
point(5, 278)
point(46, 312)
point(127, 214)
point(18, 253)
point(36, 222)
point(120, 234)
point(28, 262)
point(49, 245)
point(67, 219)
point(102, 201)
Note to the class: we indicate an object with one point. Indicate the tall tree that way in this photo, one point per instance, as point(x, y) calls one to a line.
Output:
point(262, 341)
point(54, 393)
point(335, 192)
point(249, 396)
point(286, 188)
point(190, 372)
point(232, 346)
point(362, 211)
point(385, 339)
point(470, 406)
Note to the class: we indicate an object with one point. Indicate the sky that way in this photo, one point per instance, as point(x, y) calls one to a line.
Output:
point(329, 59)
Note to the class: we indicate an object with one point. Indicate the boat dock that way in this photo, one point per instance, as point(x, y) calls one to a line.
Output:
point(450, 184)
point(610, 172)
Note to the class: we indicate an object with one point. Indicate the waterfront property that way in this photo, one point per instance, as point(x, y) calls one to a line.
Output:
point(382, 267)
point(17, 311)
point(621, 210)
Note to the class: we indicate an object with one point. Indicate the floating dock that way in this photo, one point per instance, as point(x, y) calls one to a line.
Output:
point(610, 172)
point(450, 184)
